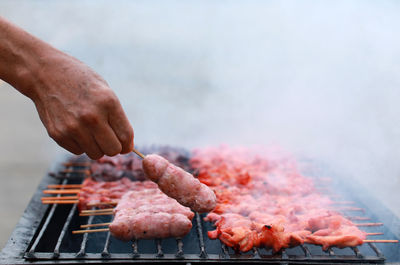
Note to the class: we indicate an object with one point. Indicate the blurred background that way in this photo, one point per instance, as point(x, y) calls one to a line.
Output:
point(320, 79)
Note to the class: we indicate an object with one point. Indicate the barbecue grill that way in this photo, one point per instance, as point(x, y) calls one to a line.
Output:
point(44, 236)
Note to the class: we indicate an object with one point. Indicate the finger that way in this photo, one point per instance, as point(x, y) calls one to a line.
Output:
point(122, 128)
point(70, 145)
point(89, 144)
point(107, 140)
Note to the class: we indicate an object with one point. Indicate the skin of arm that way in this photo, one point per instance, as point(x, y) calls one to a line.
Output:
point(77, 107)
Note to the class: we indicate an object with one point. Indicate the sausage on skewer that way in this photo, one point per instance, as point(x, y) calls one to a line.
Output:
point(179, 184)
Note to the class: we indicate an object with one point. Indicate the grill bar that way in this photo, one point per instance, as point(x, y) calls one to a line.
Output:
point(306, 251)
point(31, 252)
point(284, 254)
point(82, 251)
point(105, 252)
point(357, 252)
point(160, 252)
point(203, 253)
point(225, 252)
point(135, 249)
point(376, 250)
point(330, 252)
point(179, 254)
point(256, 253)
point(63, 231)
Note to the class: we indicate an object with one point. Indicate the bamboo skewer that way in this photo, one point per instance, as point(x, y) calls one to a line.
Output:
point(68, 191)
point(98, 210)
point(103, 203)
point(53, 198)
point(64, 186)
point(369, 224)
point(95, 225)
point(374, 234)
point(60, 201)
point(101, 213)
point(138, 153)
point(380, 241)
point(90, 231)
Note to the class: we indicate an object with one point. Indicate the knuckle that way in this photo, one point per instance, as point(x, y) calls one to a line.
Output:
point(89, 117)
point(108, 100)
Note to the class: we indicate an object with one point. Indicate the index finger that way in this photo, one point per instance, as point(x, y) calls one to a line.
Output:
point(122, 128)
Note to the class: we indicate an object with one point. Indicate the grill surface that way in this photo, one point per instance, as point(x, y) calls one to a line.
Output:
point(44, 236)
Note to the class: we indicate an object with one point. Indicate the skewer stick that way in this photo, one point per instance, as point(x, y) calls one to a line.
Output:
point(64, 186)
point(380, 241)
point(98, 210)
point(369, 224)
point(60, 202)
point(90, 214)
point(69, 191)
point(53, 198)
point(103, 203)
point(95, 225)
point(138, 153)
point(374, 234)
point(90, 231)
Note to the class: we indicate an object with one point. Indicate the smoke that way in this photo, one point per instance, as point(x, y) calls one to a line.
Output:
point(320, 79)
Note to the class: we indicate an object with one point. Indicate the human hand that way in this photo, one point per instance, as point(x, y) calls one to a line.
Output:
point(77, 107)
point(79, 110)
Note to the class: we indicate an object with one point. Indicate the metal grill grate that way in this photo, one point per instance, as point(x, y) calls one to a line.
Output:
point(195, 247)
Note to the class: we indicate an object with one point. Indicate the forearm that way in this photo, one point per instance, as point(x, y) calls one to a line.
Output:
point(21, 57)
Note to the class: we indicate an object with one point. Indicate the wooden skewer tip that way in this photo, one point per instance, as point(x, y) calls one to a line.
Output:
point(60, 202)
point(90, 231)
point(369, 224)
point(138, 153)
point(95, 225)
point(54, 198)
point(101, 213)
point(68, 191)
point(374, 234)
point(380, 241)
point(98, 210)
point(65, 186)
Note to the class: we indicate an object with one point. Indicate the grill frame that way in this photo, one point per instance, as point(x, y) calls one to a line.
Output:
point(20, 248)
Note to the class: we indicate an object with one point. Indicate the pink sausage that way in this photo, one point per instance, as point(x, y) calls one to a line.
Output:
point(128, 225)
point(179, 184)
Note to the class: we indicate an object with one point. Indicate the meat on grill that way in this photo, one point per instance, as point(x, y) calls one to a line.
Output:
point(268, 203)
point(179, 184)
point(130, 166)
point(148, 213)
point(114, 168)
point(102, 192)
